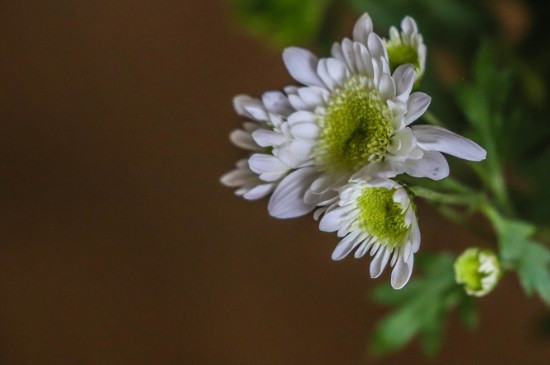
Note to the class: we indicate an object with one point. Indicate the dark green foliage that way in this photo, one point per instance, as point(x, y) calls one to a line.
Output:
point(420, 308)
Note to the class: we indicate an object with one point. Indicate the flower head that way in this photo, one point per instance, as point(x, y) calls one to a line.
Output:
point(478, 270)
point(352, 116)
point(377, 216)
point(407, 46)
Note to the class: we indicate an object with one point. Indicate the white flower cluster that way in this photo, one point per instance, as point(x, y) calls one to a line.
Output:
point(333, 144)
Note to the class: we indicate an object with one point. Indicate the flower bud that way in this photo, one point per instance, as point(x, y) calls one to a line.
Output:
point(478, 270)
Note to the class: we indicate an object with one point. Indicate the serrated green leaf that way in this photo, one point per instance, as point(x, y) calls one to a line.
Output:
point(420, 307)
point(533, 270)
point(530, 258)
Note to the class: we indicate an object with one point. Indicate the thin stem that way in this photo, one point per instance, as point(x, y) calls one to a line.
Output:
point(470, 200)
point(493, 176)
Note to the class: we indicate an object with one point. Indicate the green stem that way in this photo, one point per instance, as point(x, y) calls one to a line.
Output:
point(493, 176)
point(470, 200)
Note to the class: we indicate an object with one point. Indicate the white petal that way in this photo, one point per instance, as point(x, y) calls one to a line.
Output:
point(322, 183)
point(236, 177)
point(297, 102)
point(402, 142)
point(386, 169)
point(400, 196)
point(302, 66)
point(363, 60)
point(377, 71)
point(240, 101)
point(276, 102)
point(267, 138)
point(336, 52)
point(433, 138)
point(258, 191)
point(406, 251)
point(319, 212)
point(362, 29)
point(291, 89)
point(243, 140)
point(404, 81)
point(329, 197)
point(401, 273)
point(395, 256)
point(409, 25)
point(362, 250)
point(415, 236)
point(295, 153)
point(331, 220)
point(346, 245)
point(301, 116)
point(287, 199)
point(257, 111)
point(432, 165)
point(313, 96)
point(379, 262)
point(394, 33)
point(386, 87)
point(269, 167)
point(376, 46)
point(349, 55)
point(305, 130)
point(332, 72)
point(319, 198)
point(375, 246)
point(417, 104)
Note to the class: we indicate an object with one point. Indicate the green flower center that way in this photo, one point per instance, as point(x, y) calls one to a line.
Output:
point(355, 129)
point(467, 271)
point(467, 267)
point(382, 217)
point(400, 53)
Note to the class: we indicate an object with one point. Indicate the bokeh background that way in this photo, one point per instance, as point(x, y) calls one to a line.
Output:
point(118, 245)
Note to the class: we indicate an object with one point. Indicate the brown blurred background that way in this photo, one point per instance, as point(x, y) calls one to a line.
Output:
point(119, 246)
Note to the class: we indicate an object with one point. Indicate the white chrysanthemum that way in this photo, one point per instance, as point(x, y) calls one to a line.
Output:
point(407, 46)
point(257, 177)
point(352, 117)
point(377, 216)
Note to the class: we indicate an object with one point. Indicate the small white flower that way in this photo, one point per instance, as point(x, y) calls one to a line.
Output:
point(407, 46)
point(377, 216)
point(478, 270)
point(352, 117)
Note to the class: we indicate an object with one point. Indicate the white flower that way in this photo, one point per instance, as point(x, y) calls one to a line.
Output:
point(377, 216)
point(407, 46)
point(478, 270)
point(352, 116)
point(257, 177)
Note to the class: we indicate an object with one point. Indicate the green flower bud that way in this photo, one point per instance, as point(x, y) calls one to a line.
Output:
point(478, 270)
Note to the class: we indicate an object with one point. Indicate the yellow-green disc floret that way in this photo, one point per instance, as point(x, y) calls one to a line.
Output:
point(382, 217)
point(467, 268)
point(400, 54)
point(478, 270)
point(355, 129)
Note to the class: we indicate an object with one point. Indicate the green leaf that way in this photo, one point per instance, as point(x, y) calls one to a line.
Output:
point(467, 312)
point(283, 22)
point(483, 102)
point(420, 307)
point(530, 258)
